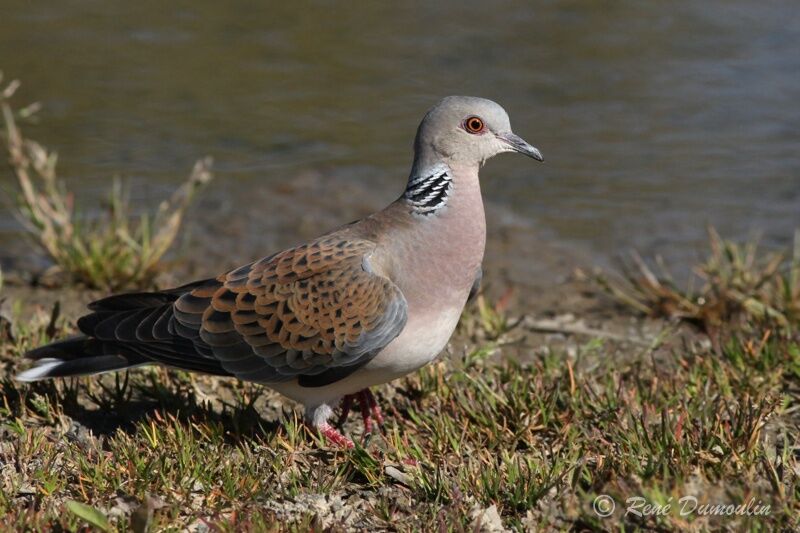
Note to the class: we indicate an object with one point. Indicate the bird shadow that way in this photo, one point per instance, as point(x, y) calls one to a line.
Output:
point(106, 410)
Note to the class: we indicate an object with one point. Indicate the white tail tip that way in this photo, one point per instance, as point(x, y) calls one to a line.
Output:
point(41, 370)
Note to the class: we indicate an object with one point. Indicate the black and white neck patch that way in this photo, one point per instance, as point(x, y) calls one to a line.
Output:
point(428, 192)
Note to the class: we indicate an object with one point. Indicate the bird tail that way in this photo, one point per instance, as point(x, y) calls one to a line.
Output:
point(78, 356)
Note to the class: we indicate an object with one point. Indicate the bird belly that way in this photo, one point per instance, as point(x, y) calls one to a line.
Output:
point(423, 338)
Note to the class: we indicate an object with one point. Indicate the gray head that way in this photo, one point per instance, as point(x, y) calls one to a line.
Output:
point(465, 131)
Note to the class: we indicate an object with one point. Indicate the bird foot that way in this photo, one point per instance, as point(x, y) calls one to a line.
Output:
point(370, 412)
point(335, 437)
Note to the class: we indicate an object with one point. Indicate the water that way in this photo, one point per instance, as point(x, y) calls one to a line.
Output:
point(655, 118)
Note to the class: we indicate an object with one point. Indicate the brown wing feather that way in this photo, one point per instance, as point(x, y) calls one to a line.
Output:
point(301, 312)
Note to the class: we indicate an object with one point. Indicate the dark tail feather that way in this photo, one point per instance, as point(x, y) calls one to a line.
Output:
point(79, 356)
point(124, 331)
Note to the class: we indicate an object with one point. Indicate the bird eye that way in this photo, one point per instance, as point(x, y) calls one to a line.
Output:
point(473, 125)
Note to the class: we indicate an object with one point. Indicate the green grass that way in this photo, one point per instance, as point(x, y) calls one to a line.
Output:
point(540, 440)
point(115, 251)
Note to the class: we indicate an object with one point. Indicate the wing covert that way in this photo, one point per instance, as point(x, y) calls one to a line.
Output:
point(306, 311)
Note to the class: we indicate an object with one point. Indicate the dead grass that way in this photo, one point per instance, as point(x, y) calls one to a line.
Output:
point(734, 287)
point(113, 252)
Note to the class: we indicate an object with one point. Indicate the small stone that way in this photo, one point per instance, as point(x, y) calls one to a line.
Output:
point(26, 489)
point(397, 475)
point(487, 520)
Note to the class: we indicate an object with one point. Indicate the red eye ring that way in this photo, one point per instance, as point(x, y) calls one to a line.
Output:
point(473, 125)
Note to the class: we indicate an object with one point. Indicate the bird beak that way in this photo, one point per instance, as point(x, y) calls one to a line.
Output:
point(518, 144)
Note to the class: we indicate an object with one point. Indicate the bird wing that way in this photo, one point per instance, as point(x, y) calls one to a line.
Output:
point(316, 312)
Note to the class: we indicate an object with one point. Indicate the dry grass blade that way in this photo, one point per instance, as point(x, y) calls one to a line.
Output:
point(738, 284)
point(111, 253)
point(648, 293)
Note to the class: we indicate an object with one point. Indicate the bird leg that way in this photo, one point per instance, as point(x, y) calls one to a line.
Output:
point(370, 412)
point(363, 403)
point(316, 419)
point(374, 409)
point(347, 403)
point(334, 437)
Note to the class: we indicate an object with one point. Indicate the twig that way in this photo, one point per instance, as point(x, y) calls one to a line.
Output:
point(553, 326)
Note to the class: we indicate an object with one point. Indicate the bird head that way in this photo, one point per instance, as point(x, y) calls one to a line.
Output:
point(465, 131)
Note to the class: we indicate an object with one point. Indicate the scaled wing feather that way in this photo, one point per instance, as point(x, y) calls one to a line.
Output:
point(302, 312)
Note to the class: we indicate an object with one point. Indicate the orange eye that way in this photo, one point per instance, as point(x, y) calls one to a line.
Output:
point(473, 125)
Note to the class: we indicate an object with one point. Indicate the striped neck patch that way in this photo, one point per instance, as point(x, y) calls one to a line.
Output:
point(428, 192)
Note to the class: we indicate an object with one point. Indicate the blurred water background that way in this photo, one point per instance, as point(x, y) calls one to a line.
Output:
point(655, 118)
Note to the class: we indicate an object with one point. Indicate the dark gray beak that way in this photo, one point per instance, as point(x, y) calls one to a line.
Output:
point(518, 144)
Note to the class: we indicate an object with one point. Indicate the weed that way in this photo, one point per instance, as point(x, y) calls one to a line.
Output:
point(111, 253)
point(738, 287)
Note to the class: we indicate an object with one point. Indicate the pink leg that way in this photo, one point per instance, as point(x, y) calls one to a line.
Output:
point(363, 402)
point(370, 412)
point(347, 403)
point(374, 408)
point(334, 437)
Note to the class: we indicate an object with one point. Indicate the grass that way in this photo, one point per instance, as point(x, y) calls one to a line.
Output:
point(115, 251)
point(735, 287)
point(537, 441)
